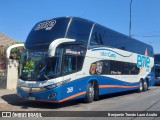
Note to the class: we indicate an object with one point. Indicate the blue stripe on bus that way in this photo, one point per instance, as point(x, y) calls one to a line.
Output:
point(79, 86)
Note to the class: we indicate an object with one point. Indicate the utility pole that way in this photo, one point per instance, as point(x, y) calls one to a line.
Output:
point(130, 23)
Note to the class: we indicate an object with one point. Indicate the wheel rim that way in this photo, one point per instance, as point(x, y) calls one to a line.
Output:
point(145, 85)
point(91, 92)
point(140, 86)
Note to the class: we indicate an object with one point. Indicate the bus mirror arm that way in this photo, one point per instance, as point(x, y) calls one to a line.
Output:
point(55, 43)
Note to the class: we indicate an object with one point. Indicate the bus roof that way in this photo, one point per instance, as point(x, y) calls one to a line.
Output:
point(44, 32)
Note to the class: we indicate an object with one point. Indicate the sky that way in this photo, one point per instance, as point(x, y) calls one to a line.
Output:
point(17, 17)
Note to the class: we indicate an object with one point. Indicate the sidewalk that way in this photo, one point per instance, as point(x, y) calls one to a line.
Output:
point(8, 96)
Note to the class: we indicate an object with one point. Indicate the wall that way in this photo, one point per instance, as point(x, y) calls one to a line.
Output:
point(12, 74)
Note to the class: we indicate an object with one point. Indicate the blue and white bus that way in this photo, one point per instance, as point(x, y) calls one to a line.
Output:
point(70, 58)
point(157, 68)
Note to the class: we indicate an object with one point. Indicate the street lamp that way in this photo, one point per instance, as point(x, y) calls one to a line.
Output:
point(130, 24)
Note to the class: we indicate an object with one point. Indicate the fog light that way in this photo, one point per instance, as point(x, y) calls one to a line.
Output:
point(19, 95)
point(51, 95)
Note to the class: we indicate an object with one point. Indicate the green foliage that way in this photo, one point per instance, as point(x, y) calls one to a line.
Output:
point(15, 53)
point(3, 57)
point(29, 65)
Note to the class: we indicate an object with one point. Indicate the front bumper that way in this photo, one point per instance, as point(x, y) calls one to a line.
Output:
point(48, 95)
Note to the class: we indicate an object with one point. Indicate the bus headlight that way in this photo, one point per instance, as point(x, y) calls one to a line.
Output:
point(31, 89)
point(57, 84)
point(53, 85)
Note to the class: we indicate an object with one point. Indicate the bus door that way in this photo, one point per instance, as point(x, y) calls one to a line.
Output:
point(69, 69)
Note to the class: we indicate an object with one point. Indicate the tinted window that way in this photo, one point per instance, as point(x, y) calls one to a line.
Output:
point(117, 40)
point(110, 67)
point(69, 64)
point(79, 30)
point(106, 67)
point(108, 37)
point(134, 70)
point(157, 59)
point(42, 35)
point(73, 58)
point(116, 67)
point(80, 60)
point(157, 71)
point(97, 36)
point(126, 68)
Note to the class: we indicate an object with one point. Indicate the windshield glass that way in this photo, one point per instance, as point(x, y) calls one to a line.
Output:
point(44, 32)
point(36, 66)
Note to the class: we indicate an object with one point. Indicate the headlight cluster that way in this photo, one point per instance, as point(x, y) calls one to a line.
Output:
point(28, 89)
point(57, 84)
point(38, 89)
point(53, 85)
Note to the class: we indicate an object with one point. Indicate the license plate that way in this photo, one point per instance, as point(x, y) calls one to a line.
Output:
point(31, 98)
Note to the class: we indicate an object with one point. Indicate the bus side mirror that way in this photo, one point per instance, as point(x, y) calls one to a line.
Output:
point(55, 43)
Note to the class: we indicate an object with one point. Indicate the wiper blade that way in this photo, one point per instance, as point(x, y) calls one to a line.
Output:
point(46, 76)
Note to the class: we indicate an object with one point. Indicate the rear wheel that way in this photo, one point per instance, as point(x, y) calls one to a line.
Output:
point(145, 85)
point(140, 88)
point(89, 93)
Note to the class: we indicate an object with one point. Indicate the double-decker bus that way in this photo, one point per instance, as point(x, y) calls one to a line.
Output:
point(157, 68)
point(70, 58)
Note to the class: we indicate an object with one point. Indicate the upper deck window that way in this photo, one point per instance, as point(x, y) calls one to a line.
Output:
point(107, 37)
point(79, 30)
point(97, 37)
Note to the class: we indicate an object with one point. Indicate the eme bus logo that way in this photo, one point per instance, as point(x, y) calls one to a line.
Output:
point(143, 61)
point(47, 25)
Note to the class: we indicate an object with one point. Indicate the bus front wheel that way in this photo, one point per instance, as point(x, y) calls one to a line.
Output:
point(89, 93)
point(96, 91)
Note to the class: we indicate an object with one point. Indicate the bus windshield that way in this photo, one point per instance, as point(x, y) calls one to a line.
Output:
point(35, 66)
point(46, 32)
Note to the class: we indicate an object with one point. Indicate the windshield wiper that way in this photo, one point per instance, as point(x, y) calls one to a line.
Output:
point(46, 77)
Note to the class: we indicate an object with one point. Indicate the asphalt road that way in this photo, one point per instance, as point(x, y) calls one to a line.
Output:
point(126, 101)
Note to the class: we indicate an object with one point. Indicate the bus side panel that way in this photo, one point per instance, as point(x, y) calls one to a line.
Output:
point(106, 84)
point(74, 89)
point(151, 77)
point(103, 91)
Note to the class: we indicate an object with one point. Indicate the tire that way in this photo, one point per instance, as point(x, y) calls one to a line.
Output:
point(89, 93)
point(145, 85)
point(96, 92)
point(140, 88)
